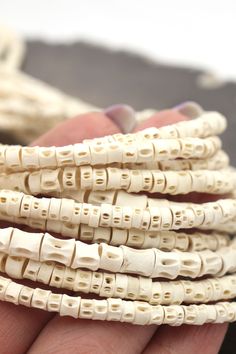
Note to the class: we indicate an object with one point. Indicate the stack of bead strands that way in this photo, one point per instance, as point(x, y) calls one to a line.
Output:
point(144, 255)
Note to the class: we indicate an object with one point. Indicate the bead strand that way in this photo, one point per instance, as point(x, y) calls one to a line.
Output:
point(135, 312)
point(110, 178)
point(120, 285)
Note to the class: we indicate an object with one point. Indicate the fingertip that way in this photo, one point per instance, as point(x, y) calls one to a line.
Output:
point(161, 119)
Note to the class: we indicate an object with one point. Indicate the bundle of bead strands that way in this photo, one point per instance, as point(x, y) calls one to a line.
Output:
point(151, 260)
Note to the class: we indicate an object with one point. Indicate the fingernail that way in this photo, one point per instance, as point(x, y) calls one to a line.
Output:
point(190, 109)
point(123, 115)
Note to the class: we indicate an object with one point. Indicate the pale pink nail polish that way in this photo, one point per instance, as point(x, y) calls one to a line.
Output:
point(189, 109)
point(123, 115)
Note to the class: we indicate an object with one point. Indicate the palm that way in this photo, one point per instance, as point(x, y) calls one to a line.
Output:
point(34, 331)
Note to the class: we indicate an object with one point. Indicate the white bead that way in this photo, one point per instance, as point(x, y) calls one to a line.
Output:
point(82, 281)
point(111, 257)
point(86, 256)
point(82, 154)
point(5, 238)
point(57, 276)
point(45, 272)
point(47, 156)
point(15, 266)
point(69, 306)
point(26, 296)
point(100, 309)
point(54, 302)
point(12, 292)
point(25, 244)
point(40, 298)
point(65, 155)
point(54, 249)
point(167, 265)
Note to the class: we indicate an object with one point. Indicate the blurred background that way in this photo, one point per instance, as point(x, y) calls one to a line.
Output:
point(199, 33)
point(149, 54)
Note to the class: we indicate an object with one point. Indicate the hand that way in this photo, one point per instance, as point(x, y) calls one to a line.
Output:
point(36, 332)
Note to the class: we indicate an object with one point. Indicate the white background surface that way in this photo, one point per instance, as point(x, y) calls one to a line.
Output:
point(198, 33)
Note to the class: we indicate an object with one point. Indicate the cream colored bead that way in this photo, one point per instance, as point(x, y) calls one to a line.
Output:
point(53, 249)
point(101, 197)
point(102, 235)
point(86, 177)
point(82, 154)
point(57, 276)
point(118, 237)
point(133, 288)
point(34, 182)
point(157, 315)
point(111, 257)
point(99, 179)
point(29, 248)
point(128, 313)
point(30, 158)
point(135, 201)
point(95, 213)
point(25, 296)
point(190, 264)
point(39, 208)
point(228, 257)
point(211, 263)
point(173, 315)
point(108, 285)
point(5, 238)
point(65, 155)
point(69, 278)
point(15, 266)
point(98, 153)
point(145, 289)
point(54, 302)
point(158, 182)
point(100, 309)
point(115, 309)
point(69, 306)
point(86, 309)
point(13, 157)
point(121, 285)
point(47, 156)
point(40, 298)
point(45, 272)
point(135, 239)
point(4, 283)
point(32, 269)
point(167, 265)
point(113, 178)
point(137, 261)
point(142, 313)
point(50, 180)
point(96, 282)
point(12, 292)
point(86, 233)
point(86, 256)
point(83, 281)
point(69, 230)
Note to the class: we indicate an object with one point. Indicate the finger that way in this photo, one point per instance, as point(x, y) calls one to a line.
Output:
point(93, 337)
point(71, 131)
point(205, 339)
point(161, 119)
point(19, 325)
